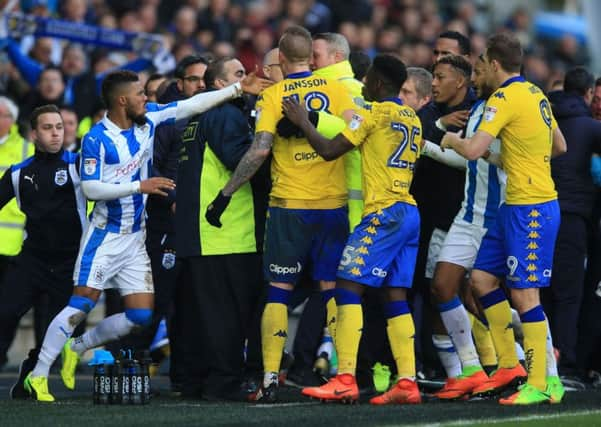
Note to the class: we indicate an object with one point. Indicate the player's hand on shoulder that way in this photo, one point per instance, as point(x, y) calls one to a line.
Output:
point(456, 118)
point(295, 112)
point(157, 185)
point(294, 115)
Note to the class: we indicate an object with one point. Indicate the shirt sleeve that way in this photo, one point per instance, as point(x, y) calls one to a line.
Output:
point(92, 153)
point(359, 127)
point(268, 113)
point(498, 111)
point(161, 113)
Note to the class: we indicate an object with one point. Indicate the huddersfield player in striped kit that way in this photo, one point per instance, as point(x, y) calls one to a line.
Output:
point(116, 162)
point(519, 246)
point(484, 191)
point(382, 249)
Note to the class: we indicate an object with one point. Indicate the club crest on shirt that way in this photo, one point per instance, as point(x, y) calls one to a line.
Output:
point(355, 122)
point(99, 274)
point(89, 166)
point(168, 260)
point(61, 177)
point(489, 113)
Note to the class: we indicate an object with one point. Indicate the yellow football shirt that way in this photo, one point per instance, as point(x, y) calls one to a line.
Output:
point(388, 134)
point(301, 179)
point(520, 115)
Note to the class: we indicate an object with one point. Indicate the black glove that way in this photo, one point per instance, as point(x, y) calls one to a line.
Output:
point(216, 209)
point(286, 129)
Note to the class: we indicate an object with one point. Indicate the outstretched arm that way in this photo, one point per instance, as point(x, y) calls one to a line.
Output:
point(471, 148)
point(204, 101)
point(329, 149)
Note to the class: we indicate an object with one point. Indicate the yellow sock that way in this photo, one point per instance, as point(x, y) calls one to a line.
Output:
point(499, 324)
point(274, 331)
point(331, 313)
point(483, 341)
point(348, 335)
point(401, 333)
point(535, 348)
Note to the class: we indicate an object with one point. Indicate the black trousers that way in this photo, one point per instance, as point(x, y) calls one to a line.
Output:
point(33, 281)
point(219, 314)
point(563, 299)
point(589, 330)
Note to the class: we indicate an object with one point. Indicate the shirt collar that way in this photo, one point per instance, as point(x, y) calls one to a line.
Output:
point(395, 99)
point(299, 75)
point(336, 71)
point(110, 125)
point(4, 139)
point(512, 80)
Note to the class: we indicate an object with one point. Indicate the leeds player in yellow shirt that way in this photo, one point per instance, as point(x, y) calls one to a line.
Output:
point(307, 222)
point(519, 247)
point(381, 250)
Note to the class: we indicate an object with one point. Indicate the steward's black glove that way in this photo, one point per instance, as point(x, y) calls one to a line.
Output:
point(286, 129)
point(216, 209)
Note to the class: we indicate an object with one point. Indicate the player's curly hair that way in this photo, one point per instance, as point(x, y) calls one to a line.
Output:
point(458, 62)
point(390, 70)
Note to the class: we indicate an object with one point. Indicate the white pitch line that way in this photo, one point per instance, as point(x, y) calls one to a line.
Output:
point(284, 405)
point(520, 418)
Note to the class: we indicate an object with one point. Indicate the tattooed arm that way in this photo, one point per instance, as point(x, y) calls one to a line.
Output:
point(248, 166)
point(250, 162)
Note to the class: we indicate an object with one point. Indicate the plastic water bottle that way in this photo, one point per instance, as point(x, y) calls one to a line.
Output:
point(115, 378)
point(135, 384)
point(102, 385)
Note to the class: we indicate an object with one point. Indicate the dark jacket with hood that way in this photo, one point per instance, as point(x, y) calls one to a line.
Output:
point(571, 171)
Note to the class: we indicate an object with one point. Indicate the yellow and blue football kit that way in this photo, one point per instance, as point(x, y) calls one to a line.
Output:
point(307, 206)
point(520, 245)
point(383, 247)
point(307, 220)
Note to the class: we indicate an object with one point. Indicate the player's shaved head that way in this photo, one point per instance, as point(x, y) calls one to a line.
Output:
point(296, 44)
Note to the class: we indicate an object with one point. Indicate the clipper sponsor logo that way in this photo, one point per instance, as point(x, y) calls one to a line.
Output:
point(301, 157)
point(378, 272)
point(278, 269)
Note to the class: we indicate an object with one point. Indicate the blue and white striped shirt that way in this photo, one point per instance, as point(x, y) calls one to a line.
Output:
point(116, 156)
point(485, 183)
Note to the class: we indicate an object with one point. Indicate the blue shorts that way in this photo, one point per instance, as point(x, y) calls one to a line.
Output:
point(382, 249)
point(520, 245)
point(297, 238)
